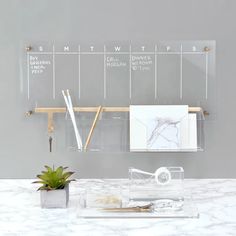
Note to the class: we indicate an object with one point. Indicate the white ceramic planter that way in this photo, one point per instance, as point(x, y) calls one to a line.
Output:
point(55, 198)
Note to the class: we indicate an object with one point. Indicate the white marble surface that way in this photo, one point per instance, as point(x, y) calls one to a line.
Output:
point(20, 213)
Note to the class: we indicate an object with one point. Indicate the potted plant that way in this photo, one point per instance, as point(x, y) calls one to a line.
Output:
point(54, 192)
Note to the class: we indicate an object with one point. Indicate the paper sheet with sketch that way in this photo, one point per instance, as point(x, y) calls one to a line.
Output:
point(160, 127)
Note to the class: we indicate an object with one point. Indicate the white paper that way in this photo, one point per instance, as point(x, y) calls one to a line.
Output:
point(158, 127)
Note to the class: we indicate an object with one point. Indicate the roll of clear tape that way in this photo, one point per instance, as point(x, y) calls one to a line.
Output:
point(162, 176)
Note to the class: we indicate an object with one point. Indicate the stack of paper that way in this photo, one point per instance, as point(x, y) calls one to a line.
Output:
point(159, 128)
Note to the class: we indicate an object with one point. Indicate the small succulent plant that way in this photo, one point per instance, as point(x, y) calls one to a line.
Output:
point(53, 179)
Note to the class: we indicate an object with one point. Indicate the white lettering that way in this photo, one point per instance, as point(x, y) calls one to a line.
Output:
point(66, 48)
point(117, 49)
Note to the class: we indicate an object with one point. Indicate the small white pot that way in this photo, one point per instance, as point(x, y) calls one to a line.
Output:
point(55, 198)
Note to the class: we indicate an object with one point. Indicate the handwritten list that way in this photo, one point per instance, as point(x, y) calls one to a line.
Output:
point(141, 62)
point(38, 65)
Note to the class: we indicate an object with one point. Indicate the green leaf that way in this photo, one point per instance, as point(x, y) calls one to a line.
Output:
point(43, 177)
point(68, 181)
point(38, 182)
point(59, 171)
point(42, 188)
point(49, 169)
point(66, 175)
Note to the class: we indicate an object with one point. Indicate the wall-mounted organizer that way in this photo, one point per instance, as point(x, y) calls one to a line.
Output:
point(112, 131)
point(114, 76)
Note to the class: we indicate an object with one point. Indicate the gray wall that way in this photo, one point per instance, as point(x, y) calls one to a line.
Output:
point(23, 141)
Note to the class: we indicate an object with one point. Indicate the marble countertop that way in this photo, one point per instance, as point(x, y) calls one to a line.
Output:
point(21, 214)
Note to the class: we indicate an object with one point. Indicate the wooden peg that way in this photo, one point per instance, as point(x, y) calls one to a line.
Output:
point(50, 122)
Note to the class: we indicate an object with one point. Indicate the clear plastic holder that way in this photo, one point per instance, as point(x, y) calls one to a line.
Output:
point(156, 127)
point(111, 133)
point(164, 134)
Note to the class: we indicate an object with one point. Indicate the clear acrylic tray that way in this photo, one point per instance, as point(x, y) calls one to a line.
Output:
point(188, 210)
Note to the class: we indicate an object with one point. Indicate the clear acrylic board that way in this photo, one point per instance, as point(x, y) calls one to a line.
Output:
point(121, 73)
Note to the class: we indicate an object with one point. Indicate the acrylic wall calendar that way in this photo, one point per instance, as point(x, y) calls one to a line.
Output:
point(119, 74)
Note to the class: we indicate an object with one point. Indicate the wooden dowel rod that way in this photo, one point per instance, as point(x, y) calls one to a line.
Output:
point(95, 109)
point(99, 109)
